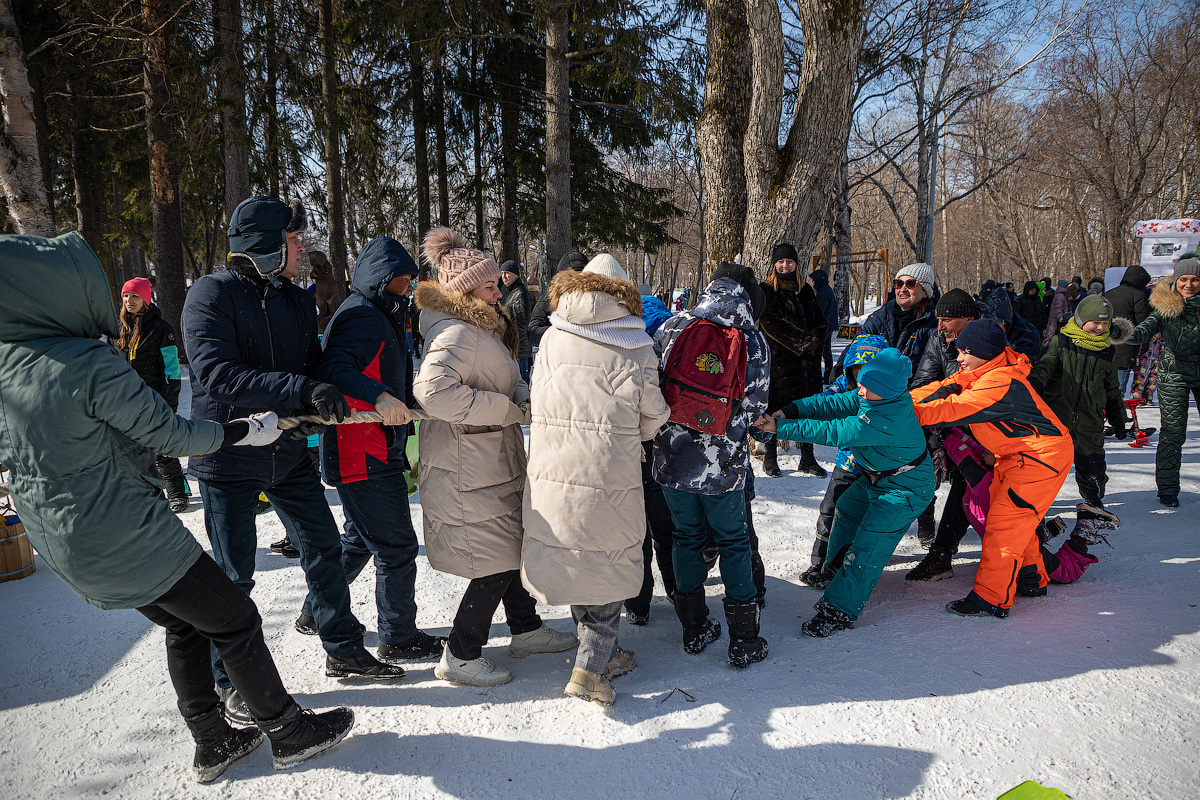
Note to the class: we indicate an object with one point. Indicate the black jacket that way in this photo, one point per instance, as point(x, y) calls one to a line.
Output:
point(940, 359)
point(519, 305)
point(154, 355)
point(795, 330)
point(251, 347)
point(364, 354)
point(1031, 307)
point(1130, 301)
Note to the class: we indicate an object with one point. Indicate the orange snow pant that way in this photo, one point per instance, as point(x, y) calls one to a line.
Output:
point(1023, 487)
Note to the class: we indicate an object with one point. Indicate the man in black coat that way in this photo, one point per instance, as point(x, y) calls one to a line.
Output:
point(539, 320)
point(1030, 307)
point(517, 302)
point(1130, 302)
point(251, 339)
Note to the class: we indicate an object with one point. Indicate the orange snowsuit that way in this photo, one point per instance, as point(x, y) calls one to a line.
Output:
point(1033, 457)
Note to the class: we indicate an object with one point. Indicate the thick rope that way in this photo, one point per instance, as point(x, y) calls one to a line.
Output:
point(355, 418)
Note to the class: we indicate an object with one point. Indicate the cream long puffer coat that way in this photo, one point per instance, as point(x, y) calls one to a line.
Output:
point(595, 399)
point(472, 472)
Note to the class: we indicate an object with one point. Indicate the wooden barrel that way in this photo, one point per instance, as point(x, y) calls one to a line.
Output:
point(16, 554)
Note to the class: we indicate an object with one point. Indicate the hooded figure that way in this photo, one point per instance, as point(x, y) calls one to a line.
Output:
point(1130, 302)
point(1030, 307)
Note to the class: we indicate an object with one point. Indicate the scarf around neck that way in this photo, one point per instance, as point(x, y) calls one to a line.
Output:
point(1084, 339)
point(626, 333)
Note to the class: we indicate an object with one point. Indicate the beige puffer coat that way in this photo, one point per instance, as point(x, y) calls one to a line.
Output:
point(472, 471)
point(595, 400)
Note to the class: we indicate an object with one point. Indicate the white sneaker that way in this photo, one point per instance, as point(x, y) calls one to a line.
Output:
point(544, 640)
point(476, 672)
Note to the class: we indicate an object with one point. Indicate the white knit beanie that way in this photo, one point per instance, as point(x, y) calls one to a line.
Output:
point(922, 273)
point(604, 264)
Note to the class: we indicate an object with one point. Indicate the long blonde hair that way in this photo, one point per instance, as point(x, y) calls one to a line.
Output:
point(131, 328)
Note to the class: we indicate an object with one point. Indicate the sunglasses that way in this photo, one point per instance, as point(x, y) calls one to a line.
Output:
point(908, 284)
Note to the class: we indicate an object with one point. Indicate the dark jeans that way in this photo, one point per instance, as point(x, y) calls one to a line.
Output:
point(827, 354)
point(839, 482)
point(525, 366)
point(202, 609)
point(726, 515)
point(659, 527)
point(954, 524)
point(299, 500)
point(379, 526)
point(484, 595)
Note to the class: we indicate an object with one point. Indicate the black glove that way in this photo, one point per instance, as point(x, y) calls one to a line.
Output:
point(941, 471)
point(324, 400)
point(306, 429)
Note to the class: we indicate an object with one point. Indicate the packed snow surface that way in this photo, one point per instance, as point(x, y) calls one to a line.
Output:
point(1094, 690)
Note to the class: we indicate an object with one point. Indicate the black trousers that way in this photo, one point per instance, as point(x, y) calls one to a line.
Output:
point(205, 608)
point(954, 524)
point(839, 482)
point(659, 532)
point(1091, 475)
point(484, 595)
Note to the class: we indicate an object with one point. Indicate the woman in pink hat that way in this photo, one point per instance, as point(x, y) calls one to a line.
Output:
point(148, 342)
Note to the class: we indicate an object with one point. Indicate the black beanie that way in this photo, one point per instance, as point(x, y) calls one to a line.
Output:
point(746, 278)
point(573, 260)
point(956, 303)
point(781, 251)
point(982, 338)
point(511, 266)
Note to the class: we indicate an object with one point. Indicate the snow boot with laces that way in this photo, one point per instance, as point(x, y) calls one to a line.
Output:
point(746, 647)
point(590, 686)
point(417, 647)
point(1090, 520)
point(827, 622)
point(218, 744)
point(362, 666)
point(622, 663)
point(937, 565)
point(299, 734)
point(698, 630)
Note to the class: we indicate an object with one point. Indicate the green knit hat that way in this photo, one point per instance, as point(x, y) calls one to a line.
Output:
point(1093, 308)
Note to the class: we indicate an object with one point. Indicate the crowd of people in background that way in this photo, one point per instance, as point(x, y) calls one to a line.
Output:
point(642, 426)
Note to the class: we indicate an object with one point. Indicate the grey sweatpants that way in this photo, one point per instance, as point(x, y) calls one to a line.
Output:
point(596, 627)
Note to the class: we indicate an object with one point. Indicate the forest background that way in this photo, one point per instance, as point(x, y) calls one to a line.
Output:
point(996, 139)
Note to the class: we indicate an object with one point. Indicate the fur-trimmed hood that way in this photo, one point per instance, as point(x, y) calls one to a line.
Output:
point(1121, 330)
point(600, 298)
point(437, 303)
point(1165, 300)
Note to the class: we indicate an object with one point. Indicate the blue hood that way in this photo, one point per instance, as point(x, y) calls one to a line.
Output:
point(654, 312)
point(820, 278)
point(381, 260)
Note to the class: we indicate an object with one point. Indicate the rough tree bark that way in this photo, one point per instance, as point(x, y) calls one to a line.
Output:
point(20, 161)
point(788, 187)
point(420, 147)
point(558, 136)
point(334, 200)
point(509, 128)
point(843, 241)
point(166, 207)
point(721, 129)
point(91, 189)
point(439, 138)
point(231, 93)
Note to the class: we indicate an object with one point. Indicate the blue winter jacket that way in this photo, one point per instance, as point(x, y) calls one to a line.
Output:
point(703, 463)
point(826, 300)
point(654, 312)
point(858, 352)
point(250, 348)
point(912, 340)
point(364, 355)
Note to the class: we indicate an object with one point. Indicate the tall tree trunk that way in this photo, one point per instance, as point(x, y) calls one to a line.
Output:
point(787, 188)
point(843, 240)
point(91, 190)
point(333, 150)
point(558, 136)
point(477, 142)
point(166, 208)
point(439, 138)
point(231, 94)
point(721, 129)
point(20, 160)
point(274, 167)
point(509, 130)
point(421, 147)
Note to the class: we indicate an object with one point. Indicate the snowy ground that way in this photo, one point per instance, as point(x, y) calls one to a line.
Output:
point(1094, 690)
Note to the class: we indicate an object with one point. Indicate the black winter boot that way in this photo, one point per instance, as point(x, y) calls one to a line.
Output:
point(698, 630)
point(975, 606)
point(417, 647)
point(235, 707)
point(218, 744)
point(1028, 583)
point(177, 494)
point(926, 531)
point(771, 459)
point(937, 565)
point(746, 647)
point(299, 733)
point(827, 622)
point(362, 666)
point(808, 462)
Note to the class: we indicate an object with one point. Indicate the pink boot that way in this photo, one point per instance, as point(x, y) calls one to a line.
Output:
point(1071, 563)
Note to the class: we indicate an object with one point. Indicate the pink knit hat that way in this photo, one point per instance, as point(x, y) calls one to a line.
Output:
point(139, 286)
point(459, 268)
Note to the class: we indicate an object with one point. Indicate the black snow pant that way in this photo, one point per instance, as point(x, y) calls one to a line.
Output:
point(954, 524)
point(839, 482)
point(484, 595)
point(205, 609)
point(1173, 405)
point(658, 541)
point(1091, 473)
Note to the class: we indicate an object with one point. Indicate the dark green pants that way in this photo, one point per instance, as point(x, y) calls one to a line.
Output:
point(1173, 398)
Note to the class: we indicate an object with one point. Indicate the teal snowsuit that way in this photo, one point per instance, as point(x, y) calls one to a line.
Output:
point(870, 519)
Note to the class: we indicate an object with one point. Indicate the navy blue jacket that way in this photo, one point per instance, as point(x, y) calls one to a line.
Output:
point(1024, 338)
point(826, 300)
point(915, 336)
point(250, 347)
point(365, 355)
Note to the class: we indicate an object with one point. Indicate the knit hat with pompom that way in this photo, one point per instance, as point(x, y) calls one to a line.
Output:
point(459, 268)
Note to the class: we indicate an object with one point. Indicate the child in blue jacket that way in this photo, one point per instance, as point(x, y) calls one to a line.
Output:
point(880, 427)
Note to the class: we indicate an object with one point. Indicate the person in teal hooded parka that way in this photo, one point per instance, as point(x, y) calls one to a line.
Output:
point(78, 431)
point(877, 423)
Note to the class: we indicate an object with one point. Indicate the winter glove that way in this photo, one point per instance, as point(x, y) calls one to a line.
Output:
point(306, 429)
point(324, 400)
point(941, 470)
point(263, 429)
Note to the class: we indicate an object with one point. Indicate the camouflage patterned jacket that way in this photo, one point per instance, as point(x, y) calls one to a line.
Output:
point(703, 463)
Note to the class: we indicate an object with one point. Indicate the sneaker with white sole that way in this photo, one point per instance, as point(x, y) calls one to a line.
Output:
point(622, 663)
point(474, 672)
point(590, 686)
point(544, 640)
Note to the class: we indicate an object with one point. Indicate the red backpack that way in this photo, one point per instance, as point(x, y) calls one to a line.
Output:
point(705, 376)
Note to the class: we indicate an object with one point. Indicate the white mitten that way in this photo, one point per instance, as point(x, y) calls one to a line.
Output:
point(264, 429)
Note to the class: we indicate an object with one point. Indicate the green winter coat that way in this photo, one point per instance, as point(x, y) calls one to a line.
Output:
point(1178, 321)
point(1080, 385)
point(79, 429)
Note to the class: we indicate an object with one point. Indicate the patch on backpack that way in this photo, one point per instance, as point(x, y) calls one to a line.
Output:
point(709, 362)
